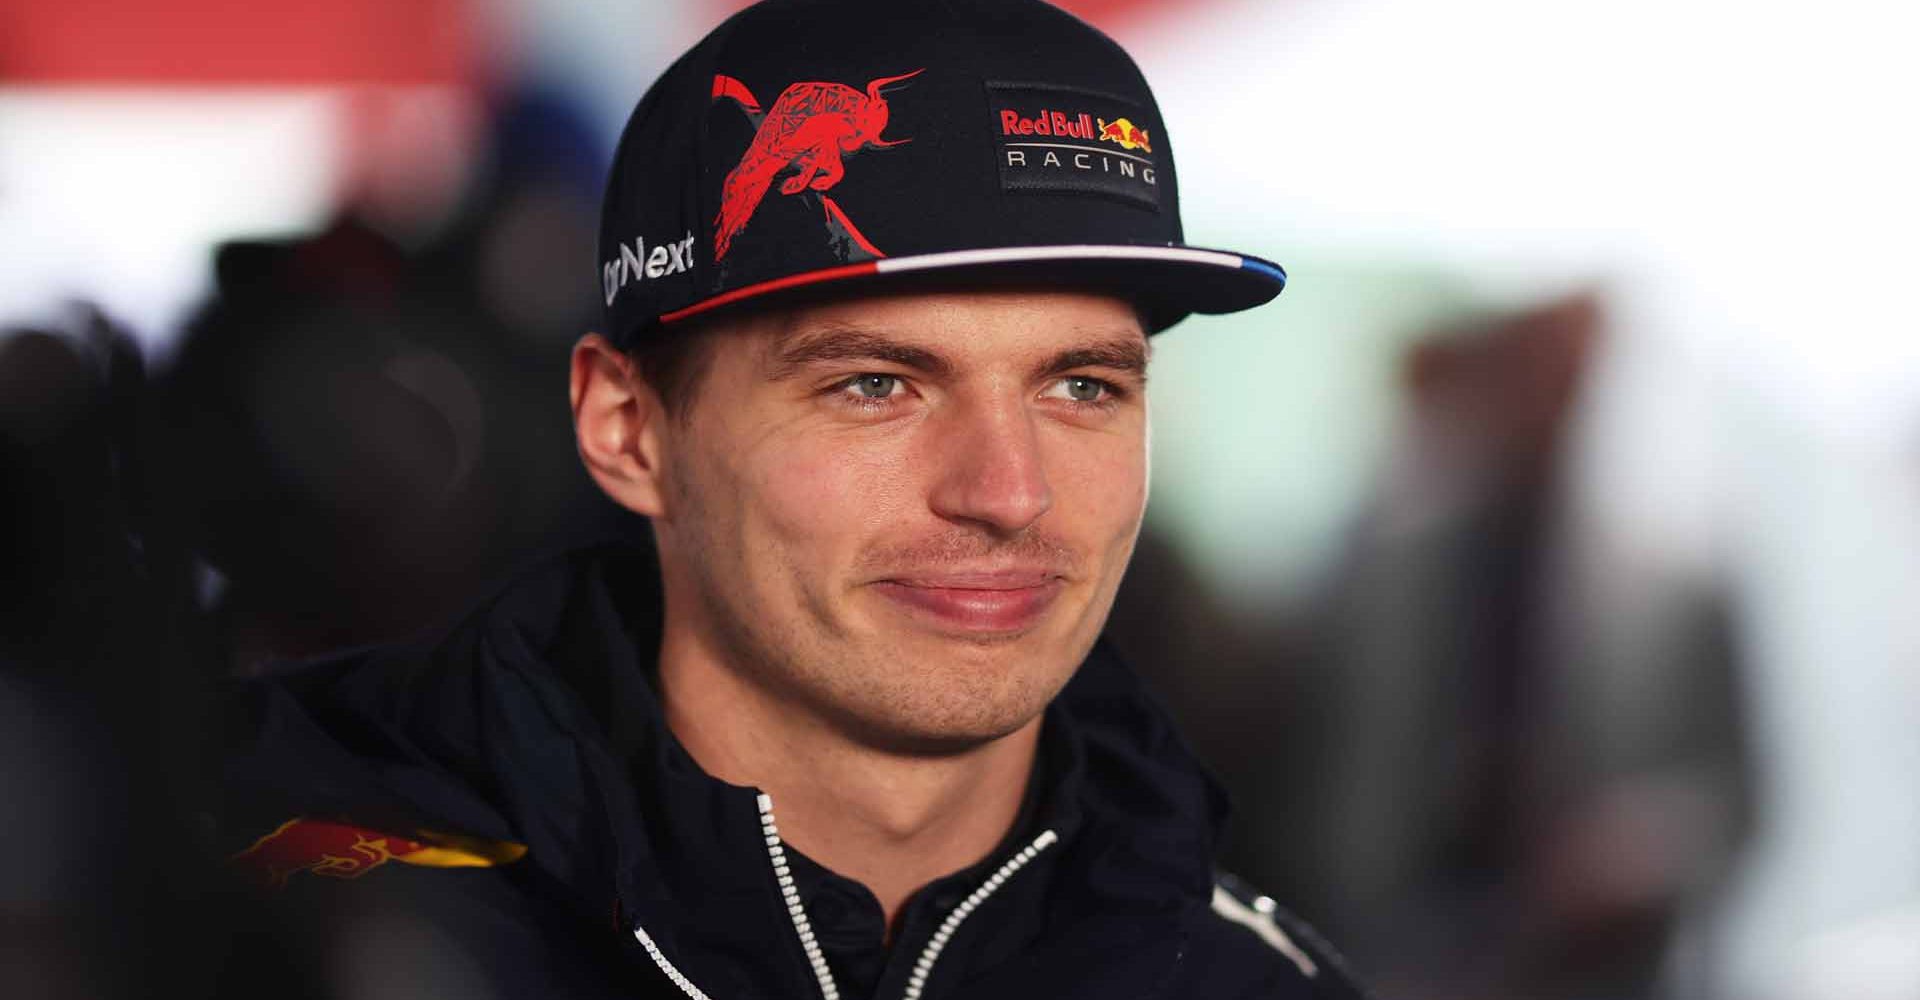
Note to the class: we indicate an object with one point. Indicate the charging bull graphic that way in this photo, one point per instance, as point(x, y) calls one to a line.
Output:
point(337, 850)
point(810, 130)
point(1126, 133)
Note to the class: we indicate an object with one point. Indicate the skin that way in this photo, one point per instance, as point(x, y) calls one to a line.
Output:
point(890, 529)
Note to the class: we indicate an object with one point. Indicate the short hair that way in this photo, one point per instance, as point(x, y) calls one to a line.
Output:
point(673, 360)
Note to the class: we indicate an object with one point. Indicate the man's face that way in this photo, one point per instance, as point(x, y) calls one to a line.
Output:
point(908, 515)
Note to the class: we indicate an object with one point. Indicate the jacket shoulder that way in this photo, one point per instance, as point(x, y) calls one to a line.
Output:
point(1252, 947)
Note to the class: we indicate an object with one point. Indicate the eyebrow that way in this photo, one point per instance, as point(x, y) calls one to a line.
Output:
point(847, 344)
point(1125, 355)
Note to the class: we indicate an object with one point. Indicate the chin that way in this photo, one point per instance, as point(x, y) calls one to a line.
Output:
point(962, 695)
point(942, 736)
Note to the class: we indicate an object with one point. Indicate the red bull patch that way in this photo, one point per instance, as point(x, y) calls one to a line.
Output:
point(1064, 139)
point(338, 850)
point(803, 141)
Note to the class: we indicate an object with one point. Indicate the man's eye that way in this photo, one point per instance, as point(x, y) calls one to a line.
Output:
point(874, 386)
point(1081, 389)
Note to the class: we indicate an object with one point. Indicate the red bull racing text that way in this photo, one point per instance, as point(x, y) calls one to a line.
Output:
point(1057, 139)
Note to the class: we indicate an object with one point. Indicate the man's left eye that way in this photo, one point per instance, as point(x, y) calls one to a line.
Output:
point(873, 386)
point(1080, 389)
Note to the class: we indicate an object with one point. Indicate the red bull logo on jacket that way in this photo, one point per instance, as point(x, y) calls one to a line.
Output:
point(338, 850)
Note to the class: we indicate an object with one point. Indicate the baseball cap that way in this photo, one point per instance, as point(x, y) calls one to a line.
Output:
point(838, 145)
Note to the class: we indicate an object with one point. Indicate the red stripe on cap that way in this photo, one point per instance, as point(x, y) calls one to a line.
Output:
point(777, 284)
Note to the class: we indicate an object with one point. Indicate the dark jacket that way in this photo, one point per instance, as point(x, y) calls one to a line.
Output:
point(502, 810)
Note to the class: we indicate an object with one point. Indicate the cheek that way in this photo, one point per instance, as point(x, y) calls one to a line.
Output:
point(825, 491)
point(1100, 486)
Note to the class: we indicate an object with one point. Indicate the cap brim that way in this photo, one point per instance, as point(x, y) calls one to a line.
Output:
point(1168, 282)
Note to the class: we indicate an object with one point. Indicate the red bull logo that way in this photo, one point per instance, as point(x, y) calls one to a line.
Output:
point(807, 135)
point(337, 850)
point(1076, 125)
point(1047, 143)
point(1127, 134)
point(1055, 124)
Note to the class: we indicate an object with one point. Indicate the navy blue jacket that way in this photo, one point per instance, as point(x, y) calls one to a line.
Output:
point(591, 857)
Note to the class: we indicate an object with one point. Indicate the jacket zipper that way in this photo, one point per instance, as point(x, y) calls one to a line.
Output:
point(918, 981)
point(790, 895)
point(653, 951)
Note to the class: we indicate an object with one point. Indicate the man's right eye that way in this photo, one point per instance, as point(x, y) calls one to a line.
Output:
point(874, 386)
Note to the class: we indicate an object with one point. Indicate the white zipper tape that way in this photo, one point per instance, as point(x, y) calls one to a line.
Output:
point(931, 954)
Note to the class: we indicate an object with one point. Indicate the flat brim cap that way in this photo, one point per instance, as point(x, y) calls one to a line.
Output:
point(820, 146)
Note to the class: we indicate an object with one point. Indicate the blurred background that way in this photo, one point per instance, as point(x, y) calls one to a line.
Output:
point(1539, 572)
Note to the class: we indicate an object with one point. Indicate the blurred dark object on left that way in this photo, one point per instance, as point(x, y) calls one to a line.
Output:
point(75, 543)
point(103, 890)
point(360, 437)
point(360, 431)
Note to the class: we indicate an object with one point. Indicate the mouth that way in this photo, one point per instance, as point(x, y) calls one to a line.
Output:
point(975, 604)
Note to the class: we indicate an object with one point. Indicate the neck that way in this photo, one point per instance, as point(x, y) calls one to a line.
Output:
point(889, 820)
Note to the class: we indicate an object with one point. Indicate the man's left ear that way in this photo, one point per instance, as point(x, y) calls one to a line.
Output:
point(617, 420)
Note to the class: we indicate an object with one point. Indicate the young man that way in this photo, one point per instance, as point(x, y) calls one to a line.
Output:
point(879, 279)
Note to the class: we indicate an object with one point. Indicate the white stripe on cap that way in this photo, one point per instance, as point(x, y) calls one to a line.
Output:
point(1017, 255)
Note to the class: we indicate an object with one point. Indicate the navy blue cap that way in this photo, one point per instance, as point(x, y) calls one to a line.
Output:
point(842, 144)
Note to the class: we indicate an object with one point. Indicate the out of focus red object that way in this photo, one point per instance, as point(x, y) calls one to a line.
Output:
point(234, 42)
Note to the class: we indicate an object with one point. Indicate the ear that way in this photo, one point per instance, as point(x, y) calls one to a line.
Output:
point(617, 423)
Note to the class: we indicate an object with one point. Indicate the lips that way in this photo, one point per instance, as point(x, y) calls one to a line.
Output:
point(976, 603)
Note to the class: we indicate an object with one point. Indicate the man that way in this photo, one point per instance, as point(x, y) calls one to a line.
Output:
point(879, 282)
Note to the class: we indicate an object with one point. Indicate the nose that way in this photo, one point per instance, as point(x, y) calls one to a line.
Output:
point(991, 470)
